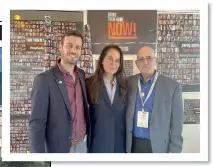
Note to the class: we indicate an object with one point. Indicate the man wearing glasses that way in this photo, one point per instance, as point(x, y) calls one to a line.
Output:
point(154, 116)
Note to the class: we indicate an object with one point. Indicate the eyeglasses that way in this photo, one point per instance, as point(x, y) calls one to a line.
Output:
point(148, 59)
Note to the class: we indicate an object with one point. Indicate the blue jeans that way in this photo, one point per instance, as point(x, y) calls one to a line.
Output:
point(79, 148)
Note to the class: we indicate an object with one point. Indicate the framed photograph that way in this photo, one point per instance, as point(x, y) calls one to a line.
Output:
point(186, 17)
point(168, 16)
point(168, 27)
point(168, 38)
point(186, 22)
point(168, 22)
point(160, 16)
point(172, 38)
point(198, 16)
point(198, 22)
point(194, 16)
point(181, 17)
point(190, 16)
point(173, 16)
point(190, 22)
point(164, 16)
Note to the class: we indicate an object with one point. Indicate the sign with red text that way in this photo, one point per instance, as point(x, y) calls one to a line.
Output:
point(129, 29)
point(189, 49)
point(120, 28)
point(34, 43)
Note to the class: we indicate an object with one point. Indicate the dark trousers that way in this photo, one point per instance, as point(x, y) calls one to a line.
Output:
point(140, 145)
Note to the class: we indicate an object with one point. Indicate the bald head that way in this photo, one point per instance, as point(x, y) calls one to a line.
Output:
point(146, 51)
point(146, 61)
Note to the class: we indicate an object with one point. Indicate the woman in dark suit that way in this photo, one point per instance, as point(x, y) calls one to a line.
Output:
point(107, 98)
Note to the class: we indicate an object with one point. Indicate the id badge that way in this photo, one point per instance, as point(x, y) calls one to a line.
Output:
point(143, 118)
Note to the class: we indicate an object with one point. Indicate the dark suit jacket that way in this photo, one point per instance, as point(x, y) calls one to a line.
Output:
point(108, 124)
point(50, 126)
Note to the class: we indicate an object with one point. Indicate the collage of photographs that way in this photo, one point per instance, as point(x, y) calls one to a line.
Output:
point(172, 30)
point(22, 107)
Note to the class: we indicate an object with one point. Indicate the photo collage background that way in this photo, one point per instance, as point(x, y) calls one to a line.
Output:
point(26, 63)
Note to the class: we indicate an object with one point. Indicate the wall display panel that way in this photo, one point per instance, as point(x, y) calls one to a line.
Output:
point(179, 49)
point(191, 103)
point(34, 48)
point(86, 62)
point(129, 29)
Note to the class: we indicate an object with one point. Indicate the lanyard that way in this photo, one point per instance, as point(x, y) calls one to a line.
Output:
point(150, 91)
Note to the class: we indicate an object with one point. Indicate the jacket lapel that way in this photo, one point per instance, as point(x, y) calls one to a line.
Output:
point(157, 98)
point(116, 96)
point(132, 95)
point(83, 85)
point(105, 95)
point(62, 87)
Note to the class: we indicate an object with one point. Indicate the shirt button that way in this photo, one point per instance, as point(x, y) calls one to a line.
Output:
point(69, 137)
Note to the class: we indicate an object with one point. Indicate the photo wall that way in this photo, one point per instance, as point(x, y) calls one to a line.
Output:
point(34, 48)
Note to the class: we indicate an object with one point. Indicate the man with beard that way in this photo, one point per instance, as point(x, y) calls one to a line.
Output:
point(59, 121)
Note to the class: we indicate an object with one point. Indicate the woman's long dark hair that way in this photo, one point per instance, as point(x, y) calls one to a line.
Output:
point(95, 82)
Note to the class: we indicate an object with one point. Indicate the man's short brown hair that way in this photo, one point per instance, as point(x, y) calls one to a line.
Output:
point(72, 33)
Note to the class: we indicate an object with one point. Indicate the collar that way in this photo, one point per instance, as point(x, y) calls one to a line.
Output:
point(65, 72)
point(106, 81)
point(149, 81)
